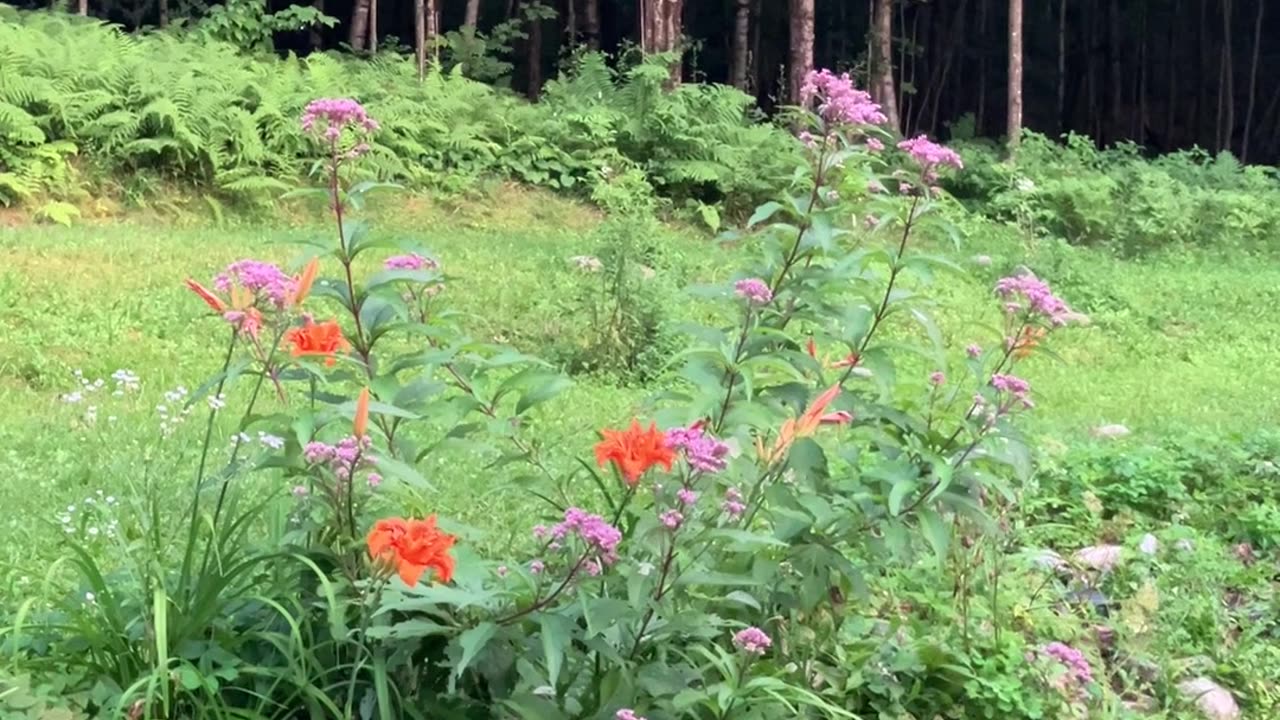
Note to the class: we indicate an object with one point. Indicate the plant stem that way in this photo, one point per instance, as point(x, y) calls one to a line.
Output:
point(539, 604)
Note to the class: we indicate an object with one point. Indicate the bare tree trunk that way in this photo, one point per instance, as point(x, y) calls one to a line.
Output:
point(472, 17)
point(1172, 59)
point(1062, 66)
point(801, 47)
point(82, 8)
point(1228, 74)
point(882, 72)
point(420, 37)
point(359, 25)
point(431, 27)
point(661, 29)
point(753, 62)
point(571, 23)
point(373, 27)
point(315, 38)
point(535, 58)
point(1253, 82)
point(741, 44)
point(1014, 123)
point(981, 113)
point(939, 92)
point(592, 21)
point(1116, 111)
point(164, 13)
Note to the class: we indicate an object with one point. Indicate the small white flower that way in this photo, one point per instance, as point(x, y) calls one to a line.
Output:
point(216, 402)
point(272, 441)
point(111, 499)
point(645, 569)
point(240, 438)
point(93, 531)
point(72, 398)
point(71, 508)
point(90, 598)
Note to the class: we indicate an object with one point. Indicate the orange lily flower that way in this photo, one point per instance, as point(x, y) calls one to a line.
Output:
point(412, 547)
point(805, 425)
point(634, 450)
point(324, 339)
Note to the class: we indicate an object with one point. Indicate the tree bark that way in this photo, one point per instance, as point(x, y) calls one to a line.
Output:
point(535, 58)
point(571, 23)
point(1014, 122)
point(981, 112)
point(472, 16)
point(315, 38)
point(741, 44)
point(359, 25)
point(801, 63)
point(164, 13)
point(82, 8)
point(1228, 74)
point(885, 92)
point(373, 27)
point(431, 27)
point(591, 19)
point(1253, 82)
point(661, 29)
point(1114, 45)
point(420, 37)
point(1062, 66)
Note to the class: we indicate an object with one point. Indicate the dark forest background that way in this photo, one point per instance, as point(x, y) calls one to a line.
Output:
point(1166, 74)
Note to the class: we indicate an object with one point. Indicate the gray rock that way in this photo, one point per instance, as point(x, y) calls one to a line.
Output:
point(1100, 557)
point(1214, 701)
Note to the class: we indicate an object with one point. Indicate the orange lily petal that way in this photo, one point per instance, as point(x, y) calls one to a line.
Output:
point(361, 423)
point(305, 281)
point(207, 296)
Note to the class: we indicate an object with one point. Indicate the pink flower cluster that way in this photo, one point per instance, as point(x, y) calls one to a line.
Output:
point(1017, 387)
point(839, 102)
point(703, 452)
point(930, 155)
point(733, 505)
point(1078, 673)
point(628, 714)
point(330, 116)
point(412, 261)
point(265, 280)
point(754, 291)
point(1028, 293)
point(752, 641)
point(599, 536)
point(343, 459)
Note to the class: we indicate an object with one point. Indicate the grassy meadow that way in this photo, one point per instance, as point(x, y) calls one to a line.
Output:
point(1176, 345)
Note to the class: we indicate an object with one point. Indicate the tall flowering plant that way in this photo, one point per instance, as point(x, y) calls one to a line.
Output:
point(710, 574)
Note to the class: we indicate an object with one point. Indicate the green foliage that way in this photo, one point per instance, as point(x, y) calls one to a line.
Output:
point(1118, 198)
point(191, 109)
point(249, 26)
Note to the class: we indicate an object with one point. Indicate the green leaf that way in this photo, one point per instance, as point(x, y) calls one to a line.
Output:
point(936, 532)
point(556, 634)
point(392, 467)
point(898, 494)
point(764, 212)
point(551, 387)
point(473, 642)
point(409, 629)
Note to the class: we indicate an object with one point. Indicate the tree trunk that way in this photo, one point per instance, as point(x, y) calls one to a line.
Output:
point(741, 44)
point(592, 22)
point(1170, 126)
point(957, 38)
point(373, 27)
point(472, 17)
point(661, 29)
point(359, 25)
point(82, 8)
point(882, 71)
point(1253, 82)
point(1062, 66)
point(420, 37)
point(1014, 123)
point(164, 13)
point(801, 62)
point(1114, 55)
point(316, 39)
point(981, 113)
point(431, 27)
point(1228, 75)
point(535, 58)
point(571, 23)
